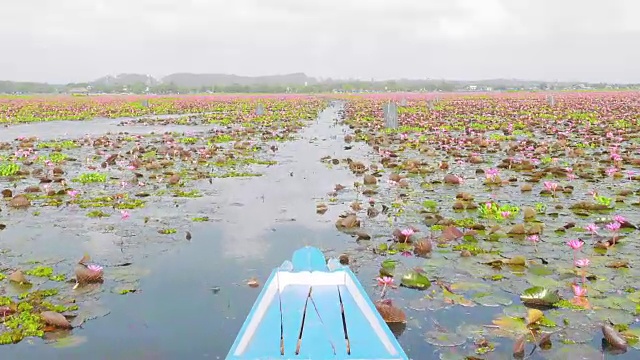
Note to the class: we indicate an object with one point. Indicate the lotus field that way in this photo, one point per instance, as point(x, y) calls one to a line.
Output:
point(486, 226)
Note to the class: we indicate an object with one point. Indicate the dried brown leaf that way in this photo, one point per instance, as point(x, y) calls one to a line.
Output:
point(55, 319)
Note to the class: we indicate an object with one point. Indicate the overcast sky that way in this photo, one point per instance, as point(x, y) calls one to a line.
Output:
point(79, 40)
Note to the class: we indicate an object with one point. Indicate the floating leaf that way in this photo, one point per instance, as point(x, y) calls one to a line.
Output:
point(511, 324)
point(439, 338)
point(545, 282)
point(457, 299)
point(533, 315)
point(615, 316)
point(492, 300)
point(516, 261)
point(90, 310)
point(389, 312)
point(70, 341)
point(578, 351)
point(55, 319)
point(390, 264)
point(539, 296)
point(415, 280)
point(18, 278)
point(613, 338)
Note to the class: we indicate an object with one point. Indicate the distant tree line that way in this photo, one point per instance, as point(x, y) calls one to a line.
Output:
point(9, 87)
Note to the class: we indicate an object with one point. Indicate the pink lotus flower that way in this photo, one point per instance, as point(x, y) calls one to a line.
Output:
point(95, 268)
point(582, 262)
point(611, 171)
point(533, 238)
point(491, 173)
point(506, 214)
point(385, 281)
point(124, 214)
point(619, 219)
point(575, 244)
point(73, 193)
point(579, 290)
point(613, 226)
point(592, 228)
point(551, 186)
point(407, 232)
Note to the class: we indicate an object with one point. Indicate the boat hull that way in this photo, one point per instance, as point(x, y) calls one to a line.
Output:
point(309, 309)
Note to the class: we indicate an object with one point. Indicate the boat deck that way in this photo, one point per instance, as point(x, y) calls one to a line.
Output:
point(310, 312)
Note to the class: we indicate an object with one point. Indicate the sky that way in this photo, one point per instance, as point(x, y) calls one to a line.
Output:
point(80, 40)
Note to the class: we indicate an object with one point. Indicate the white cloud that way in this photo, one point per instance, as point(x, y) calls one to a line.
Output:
point(74, 40)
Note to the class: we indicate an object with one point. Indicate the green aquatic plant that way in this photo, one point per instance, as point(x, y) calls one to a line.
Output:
point(9, 169)
point(66, 144)
point(234, 174)
point(603, 200)
point(188, 140)
point(187, 194)
point(25, 319)
point(46, 272)
point(97, 214)
point(495, 211)
point(541, 208)
point(119, 201)
point(54, 157)
point(92, 177)
point(221, 138)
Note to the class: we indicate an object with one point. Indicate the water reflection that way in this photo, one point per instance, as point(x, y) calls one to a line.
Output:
point(191, 305)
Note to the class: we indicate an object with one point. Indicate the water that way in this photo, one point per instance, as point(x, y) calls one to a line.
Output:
point(75, 129)
point(179, 313)
point(193, 297)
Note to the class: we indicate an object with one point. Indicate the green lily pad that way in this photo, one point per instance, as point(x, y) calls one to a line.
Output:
point(439, 338)
point(515, 310)
point(539, 296)
point(635, 297)
point(540, 270)
point(616, 316)
point(415, 280)
point(614, 302)
point(580, 351)
point(69, 341)
point(545, 282)
point(389, 264)
point(492, 299)
point(577, 336)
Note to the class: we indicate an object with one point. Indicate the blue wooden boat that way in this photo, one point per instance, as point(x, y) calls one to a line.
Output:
point(311, 309)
